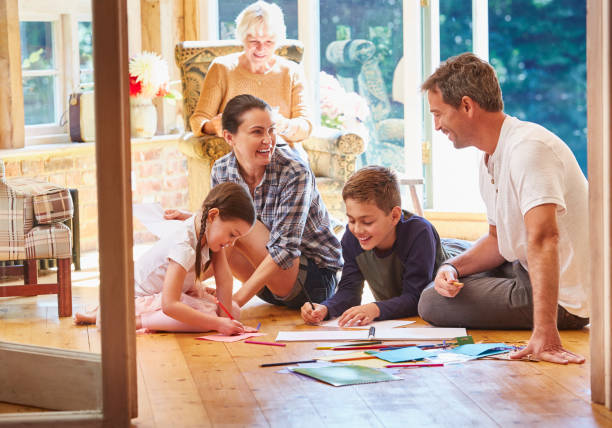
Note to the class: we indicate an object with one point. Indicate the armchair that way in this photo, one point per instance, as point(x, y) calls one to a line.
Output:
point(332, 153)
point(357, 70)
point(31, 212)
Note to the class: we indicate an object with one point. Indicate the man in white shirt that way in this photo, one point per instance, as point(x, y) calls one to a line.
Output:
point(531, 269)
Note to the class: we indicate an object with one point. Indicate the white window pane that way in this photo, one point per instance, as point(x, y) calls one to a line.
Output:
point(85, 45)
point(86, 77)
point(229, 10)
point(36, 45)
point(38, 100)
point(361, 47)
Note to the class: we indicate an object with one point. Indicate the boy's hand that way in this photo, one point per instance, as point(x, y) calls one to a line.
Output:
point(446, 283)
point(359, 315)
point(174, 214)
point(316, 316)
point(229, 327)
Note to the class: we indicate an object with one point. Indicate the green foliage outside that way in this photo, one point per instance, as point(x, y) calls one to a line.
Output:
point(538, 48)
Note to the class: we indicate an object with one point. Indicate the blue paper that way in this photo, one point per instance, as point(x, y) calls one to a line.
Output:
point(411, 353)
point(482, 349)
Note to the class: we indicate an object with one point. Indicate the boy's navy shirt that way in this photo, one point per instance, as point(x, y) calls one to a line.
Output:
point(396, 276)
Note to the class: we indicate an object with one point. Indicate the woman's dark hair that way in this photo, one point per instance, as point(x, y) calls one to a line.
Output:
point(233, 202)
point(231, 118)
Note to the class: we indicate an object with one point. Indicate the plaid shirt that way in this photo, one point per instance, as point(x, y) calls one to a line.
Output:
point(288, 203)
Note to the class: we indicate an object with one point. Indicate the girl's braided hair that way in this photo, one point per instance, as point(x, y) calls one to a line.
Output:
point(233, 202)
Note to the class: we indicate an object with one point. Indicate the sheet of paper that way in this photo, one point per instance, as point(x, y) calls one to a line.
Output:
point(401, 355)
point(152, 217)
point(482, 349)
point(410, 333)
point(377, 324)
point(222, 338)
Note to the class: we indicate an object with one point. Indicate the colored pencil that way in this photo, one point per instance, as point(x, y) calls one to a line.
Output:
point(416, 365)
point(457, 283)
point(258, 325)
point(287, 363)
point(337, 360)
point(225, 309)
point(357, 348)
point(264, 343)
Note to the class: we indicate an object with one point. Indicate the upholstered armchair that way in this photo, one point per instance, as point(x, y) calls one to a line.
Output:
point(31, 228)
point(332, 153)
point(358, 71)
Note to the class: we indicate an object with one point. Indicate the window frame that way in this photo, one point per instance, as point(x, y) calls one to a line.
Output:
point(64, 16)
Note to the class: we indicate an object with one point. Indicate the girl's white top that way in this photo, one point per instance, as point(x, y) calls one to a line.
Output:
point(150, 269)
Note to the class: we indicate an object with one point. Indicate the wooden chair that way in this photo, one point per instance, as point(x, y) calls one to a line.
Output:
point(31, 212)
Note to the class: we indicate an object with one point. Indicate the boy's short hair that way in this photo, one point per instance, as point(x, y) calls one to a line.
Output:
point(374, 184)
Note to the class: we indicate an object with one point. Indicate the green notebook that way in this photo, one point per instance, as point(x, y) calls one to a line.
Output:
point(348, 374)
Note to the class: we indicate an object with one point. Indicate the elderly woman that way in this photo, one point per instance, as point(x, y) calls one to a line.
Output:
point(256, 71)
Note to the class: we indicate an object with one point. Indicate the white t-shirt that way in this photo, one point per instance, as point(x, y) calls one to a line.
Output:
point(531, 166)
point(150, 268)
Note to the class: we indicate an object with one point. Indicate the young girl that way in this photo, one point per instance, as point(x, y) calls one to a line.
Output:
point(167, 290)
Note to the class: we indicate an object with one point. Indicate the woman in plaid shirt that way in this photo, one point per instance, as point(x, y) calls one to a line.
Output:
point(291, 255)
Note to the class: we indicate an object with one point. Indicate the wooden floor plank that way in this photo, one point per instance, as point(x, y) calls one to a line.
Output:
point(223, 392)
point(172, 393)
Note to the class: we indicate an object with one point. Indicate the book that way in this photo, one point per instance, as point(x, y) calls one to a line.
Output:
point(342, 375)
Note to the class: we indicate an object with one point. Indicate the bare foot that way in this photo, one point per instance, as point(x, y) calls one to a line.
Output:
point(88, 317)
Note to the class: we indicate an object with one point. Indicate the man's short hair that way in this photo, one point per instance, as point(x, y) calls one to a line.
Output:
point(466, 75)
point(374, 184)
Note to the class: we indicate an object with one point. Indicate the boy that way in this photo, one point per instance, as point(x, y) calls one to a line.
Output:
point(395, 251)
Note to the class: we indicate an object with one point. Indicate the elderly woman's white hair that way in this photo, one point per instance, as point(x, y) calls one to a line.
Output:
point(261, 14)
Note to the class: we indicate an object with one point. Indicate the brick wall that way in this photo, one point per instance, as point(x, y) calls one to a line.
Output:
point(159, 174)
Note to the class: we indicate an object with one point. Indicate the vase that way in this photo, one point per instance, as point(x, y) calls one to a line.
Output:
point(143, 117)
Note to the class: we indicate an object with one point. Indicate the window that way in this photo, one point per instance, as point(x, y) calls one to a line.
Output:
point(40, 74)
point(362, 51)
point(56, 60)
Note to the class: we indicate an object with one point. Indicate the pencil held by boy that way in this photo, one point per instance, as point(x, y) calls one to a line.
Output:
point(395, 251)
point(168, 293)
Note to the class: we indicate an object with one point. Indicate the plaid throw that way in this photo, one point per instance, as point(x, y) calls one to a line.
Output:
point(52, 204)
point(288, 203)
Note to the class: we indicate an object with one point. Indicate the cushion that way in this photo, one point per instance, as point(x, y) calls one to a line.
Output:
point(52, 203)
point(48, 241)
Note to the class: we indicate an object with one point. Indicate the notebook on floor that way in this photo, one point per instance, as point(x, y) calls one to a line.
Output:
point(342, 375)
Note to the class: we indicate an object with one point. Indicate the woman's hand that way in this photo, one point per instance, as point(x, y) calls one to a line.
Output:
point(229, 327)
point(174, 214)
point(315, 316)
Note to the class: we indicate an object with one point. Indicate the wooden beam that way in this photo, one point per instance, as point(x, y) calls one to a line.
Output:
point(50, 378)
point(12, 122)
point(113, 167)
point(600, 205)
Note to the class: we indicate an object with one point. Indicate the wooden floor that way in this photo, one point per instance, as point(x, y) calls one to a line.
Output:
point(184, 382)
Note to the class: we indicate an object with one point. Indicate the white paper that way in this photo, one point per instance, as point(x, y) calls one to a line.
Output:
point(152, 217)
point(378, 324)
point(411, 333)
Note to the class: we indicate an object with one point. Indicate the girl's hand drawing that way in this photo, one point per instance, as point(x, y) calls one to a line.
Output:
point(229, 327)
point(316, 316)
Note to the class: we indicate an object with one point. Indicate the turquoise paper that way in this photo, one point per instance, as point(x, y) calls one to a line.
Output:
point(411, 353)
